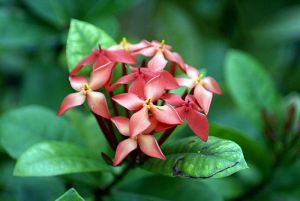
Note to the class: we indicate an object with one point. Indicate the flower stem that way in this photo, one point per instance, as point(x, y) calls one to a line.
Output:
point(165, 135)
point(110, 137)
point(113, 103)
point(124, 72)
point(99, 193)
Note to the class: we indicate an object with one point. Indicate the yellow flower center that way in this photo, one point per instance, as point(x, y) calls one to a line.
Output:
point(148, 103)
point(85, 89)
point(162, 45)
point(125, 44)
point(199, 78)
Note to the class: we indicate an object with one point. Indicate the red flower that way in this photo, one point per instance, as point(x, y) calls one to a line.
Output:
point(146, 142)
point(100, 57)
point(204, 87)
point(159, 53)
point(188, 109)
point(152, 91)
point(86, 89)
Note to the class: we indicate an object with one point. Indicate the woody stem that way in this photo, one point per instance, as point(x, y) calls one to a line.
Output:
point(124, 72)
point(109, 136)
point(165, 135)
point(114, 105)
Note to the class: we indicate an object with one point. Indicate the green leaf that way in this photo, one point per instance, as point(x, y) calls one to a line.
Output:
point(249, 84)
point(192, 158)
point(251, 149)
point(54, 11)
point(70, 195)
point(26, 188)
point(26, 126)
point(282, 27)
point(155, 188)
point(82, 38)
point(56, 158)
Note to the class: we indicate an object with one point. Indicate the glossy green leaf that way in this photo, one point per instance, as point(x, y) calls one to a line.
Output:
point(155, 188)
point(192, 158)
point(70, 195)
point(250, 85)
point(82, 38)
point(251, 149)
point(23, 127)
point(56, 158)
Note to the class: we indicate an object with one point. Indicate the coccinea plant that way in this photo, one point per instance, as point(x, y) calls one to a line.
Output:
point(150, 106)
point(139, 94)
point(151, 91)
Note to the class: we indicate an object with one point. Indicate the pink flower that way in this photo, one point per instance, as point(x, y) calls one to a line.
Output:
point(100, 57)
point(203, 87)
point(152, 91)
point(146, 142)
point(189, 110)
point(159, 53)
point(140, 76)
point(128, 47)
point(86, 90)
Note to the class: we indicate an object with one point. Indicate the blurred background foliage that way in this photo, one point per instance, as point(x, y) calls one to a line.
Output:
point(33, 70)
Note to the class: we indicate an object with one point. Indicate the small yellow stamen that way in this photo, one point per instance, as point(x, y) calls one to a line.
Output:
point(148, 103)
point(85, 89)
point(125, 44)
point(199, 78)
point(162, 44)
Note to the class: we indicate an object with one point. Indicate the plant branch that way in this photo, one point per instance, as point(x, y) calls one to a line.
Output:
point(165, 135)
point(110, 137)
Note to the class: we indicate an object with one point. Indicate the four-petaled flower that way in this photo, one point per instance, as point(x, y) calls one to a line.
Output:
point(159, 53)
point(86, 90)
point(190, 110)
point(204, 87)
point(146, 142)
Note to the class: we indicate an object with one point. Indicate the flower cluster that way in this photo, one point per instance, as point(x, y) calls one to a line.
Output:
point(150, 107)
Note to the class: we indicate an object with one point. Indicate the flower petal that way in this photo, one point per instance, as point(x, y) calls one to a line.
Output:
point(203, 97)
point(123, 149)
point(147, 52)
point(137, 87)
point(77, 82)
point(122, 124)
point(211, 85)
point(182, 111)
point(166, 114)
point(150, 147)
point(129, 101)
point(173, 99)
point(185, 82)
point(120, 56)
point(138, 46)
point(176, 58)
point(101, 76)
point(139, 122)
point(101, 61)
point(168, 80)
point(71, 100)
point(154, 88)
point(192, 72)
point(91, 58)
point(124, 80)
point(97, 103)
point(162, 127)
point(198, 123)
point(152, 125)
point(158, 62)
